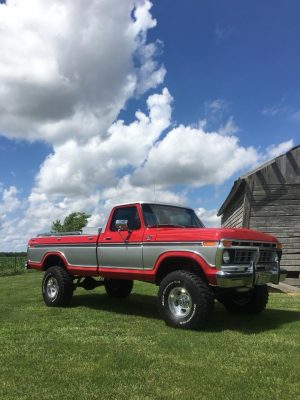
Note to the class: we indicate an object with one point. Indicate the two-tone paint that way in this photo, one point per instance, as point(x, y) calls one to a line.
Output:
point(140, 253)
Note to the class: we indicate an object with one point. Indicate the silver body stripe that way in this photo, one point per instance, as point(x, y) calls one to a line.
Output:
point(120, 255)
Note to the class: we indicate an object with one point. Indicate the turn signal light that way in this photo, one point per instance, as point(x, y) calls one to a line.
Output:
point(210, 243)
point(227, 243)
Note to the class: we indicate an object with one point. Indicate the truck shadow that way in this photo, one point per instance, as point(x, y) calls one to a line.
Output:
point(136, 304)
point(142, 305)
point(270, 319)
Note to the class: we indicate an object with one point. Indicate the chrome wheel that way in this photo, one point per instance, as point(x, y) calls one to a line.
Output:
point(52, 288)
point(180, 302)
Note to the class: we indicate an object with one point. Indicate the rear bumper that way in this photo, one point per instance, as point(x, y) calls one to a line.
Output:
point(249, 279)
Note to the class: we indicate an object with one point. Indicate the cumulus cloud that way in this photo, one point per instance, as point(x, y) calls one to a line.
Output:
point(9, 201)
point(209, 217)
point(275, 151)
point(126, 192)
point(68, 68)
point(195, 157)
point(77, 168)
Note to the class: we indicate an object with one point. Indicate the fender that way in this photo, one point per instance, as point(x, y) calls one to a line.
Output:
point(73, 269)
point(209, 272)
point(40, 265)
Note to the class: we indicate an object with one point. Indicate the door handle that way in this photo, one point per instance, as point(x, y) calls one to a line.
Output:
point(108, 238)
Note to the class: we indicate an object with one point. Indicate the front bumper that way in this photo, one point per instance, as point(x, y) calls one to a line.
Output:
point(249, 278)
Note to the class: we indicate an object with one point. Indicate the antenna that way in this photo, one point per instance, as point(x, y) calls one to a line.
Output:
point(154, 188)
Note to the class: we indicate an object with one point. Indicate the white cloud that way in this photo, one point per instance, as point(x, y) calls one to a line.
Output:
point(272, 111)
point(194, 157)
point(216, 106)
point(276, 150)
point(279, 109)
point(217, 116)
point(77, 168)
point(124, 191)
point(229, 128)
point(68, 68)
point(209, 217)
point(9, 201)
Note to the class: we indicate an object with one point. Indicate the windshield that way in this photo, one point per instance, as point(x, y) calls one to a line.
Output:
point(161, 215)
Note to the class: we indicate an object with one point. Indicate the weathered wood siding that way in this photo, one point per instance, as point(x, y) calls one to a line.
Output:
point(233, 216)
point(269, 200)
point(275, 208)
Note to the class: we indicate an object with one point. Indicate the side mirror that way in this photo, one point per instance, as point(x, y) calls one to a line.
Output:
point(122, 224)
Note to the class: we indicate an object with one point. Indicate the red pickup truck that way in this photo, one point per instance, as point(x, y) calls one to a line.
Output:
point(166, 245)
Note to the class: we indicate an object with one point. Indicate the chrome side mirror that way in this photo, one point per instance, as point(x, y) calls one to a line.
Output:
point(122, 224)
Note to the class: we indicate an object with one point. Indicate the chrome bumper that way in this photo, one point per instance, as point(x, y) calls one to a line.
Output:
point(249, 278)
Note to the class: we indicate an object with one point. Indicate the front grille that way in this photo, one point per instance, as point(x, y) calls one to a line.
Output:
point(265, 256)
point(253, 244)
point(243, 256)
point(246, 256)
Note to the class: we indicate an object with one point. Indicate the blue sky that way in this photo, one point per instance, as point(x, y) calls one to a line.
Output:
point(229, 69)
point(246, 53)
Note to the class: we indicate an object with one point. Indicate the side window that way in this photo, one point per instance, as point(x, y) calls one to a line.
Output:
point(149, 216)
point(128, 213)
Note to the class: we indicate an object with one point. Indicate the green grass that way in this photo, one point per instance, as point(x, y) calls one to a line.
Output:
point(110, 349)
point(12, 265)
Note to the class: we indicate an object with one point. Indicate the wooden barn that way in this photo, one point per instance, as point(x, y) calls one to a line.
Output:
point(268, 199)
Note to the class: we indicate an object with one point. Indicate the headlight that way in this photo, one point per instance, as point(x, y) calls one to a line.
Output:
point(226, 257)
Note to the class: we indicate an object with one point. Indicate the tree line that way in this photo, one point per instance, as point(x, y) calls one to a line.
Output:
point(73, 222)
point(13, 254)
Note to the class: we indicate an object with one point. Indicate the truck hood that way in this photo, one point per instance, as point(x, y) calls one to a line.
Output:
point(192, 234)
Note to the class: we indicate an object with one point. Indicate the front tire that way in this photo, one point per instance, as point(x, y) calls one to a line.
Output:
point(185, 300)
point(57, 287)
point(252, 302)
point(118, 288)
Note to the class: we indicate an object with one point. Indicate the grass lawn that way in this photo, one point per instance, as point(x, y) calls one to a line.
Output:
point(102, 348)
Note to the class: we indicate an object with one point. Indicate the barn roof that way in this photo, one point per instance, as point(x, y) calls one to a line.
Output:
point(240, 182)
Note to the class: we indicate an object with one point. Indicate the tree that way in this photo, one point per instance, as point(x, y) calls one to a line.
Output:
point(73, 222)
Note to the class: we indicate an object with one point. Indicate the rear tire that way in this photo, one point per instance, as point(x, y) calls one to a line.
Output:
point(57, 287)
point(185, 300)
point(252, 302)
point(118, 288)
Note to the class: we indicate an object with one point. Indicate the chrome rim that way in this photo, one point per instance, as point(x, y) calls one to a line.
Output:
point(52, 288)
point(180, 302)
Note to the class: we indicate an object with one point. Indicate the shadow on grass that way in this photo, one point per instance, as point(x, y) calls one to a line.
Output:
point(143, 305)
point(269, 319)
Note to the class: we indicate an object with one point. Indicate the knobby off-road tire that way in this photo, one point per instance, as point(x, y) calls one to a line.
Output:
point(252, 302)
point(185, 300)
point(118, 288)
point(57, 287)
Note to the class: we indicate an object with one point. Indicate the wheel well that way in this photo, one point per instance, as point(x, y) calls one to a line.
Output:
point(52, 261)
point(178, 263)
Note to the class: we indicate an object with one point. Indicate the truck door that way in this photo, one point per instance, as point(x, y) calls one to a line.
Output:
point(122, 249)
